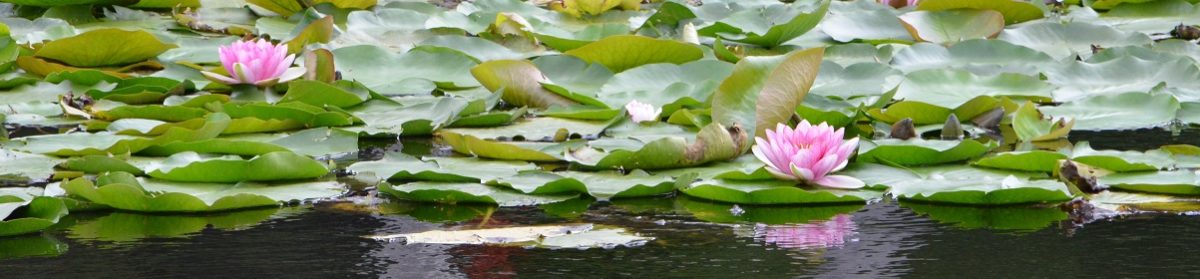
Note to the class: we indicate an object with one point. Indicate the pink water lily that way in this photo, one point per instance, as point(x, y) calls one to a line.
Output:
point(808, 153)
point(900, 3)
point(642, 112)
point(257, 62)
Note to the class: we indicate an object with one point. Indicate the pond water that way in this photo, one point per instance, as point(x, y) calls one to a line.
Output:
point(692, 238)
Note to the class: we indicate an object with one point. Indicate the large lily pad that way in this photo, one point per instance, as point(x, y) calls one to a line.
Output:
point(764, 91)
point(754, 22)
point(1131, 110)
point(417, 71)
point(1064, 40)
point(453, 193)
point(1013, 11)
point(145, 195)
point(40, 212)
point(400, 167)
point(966, 185)
point(953, 88)
point(601, 185)
point(620, 53)
point(1177, 182)
point(191, 167)
point(773, 193)
point(106, 47)
point(917, 152)
point(952, 26)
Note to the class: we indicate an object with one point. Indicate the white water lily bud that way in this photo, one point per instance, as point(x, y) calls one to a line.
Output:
point(642, 112)
point(687, 34)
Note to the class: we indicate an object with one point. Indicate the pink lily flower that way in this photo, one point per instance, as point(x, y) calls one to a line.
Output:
point(642, 112)
point(808, 154)
point(257, 62)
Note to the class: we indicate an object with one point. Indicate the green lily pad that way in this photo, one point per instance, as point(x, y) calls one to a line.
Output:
point(952, 26)
point(979, 56)
point(712, 143)
point(400, 167)
point(1065, 40)
point(537, 129)
point(1029, 126)
point(854, 81)
point(22, 167)
point(1177, 182)
point(763, 23)
point(1125, 73)
point(145, 195)
point(383, 117)
point(106, 47)
point(1131, 110)
point(953, 88)
point(665, 85)
point(415, 72)
point(619, 53)
point(523, 151)
point(1013, 11)
point(1037, 160)
point(39, 214)
point(274, 166)
point(966, 185)
point(764, 91)
point(917, 152)
point(601, 185)
point(521, 82)
point(1121, 161)
point(862, 20)
point(454, 193)
point(1148, 17)
point(773, 193)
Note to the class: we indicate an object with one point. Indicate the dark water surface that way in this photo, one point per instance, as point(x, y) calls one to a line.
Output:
point(693, 239)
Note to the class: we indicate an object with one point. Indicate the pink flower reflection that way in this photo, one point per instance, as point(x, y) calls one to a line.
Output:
point(832, 233)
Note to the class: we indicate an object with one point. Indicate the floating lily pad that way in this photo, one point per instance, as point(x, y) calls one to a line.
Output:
point(755, 22)
point(1177, 182)
point(982, 57)
point(22, 167)
point(1037, 160)
point(618, 52)
point(1012, 11)
point(764, 91)
point(418, 71)
point(712, 143)
point(773, 193)
point(601, 185)
point(1064, 40)
point(862, 20)
point(966, 185)
point(953, 88)
point(40, 213)
point(1121, 161)
point(952, 26)
point(274, 166)
point(106, 47)
point(454, 193)
point(916, 152)
point(400, 167)
point(537, 129)
point(1131, 110)
point(145, 195)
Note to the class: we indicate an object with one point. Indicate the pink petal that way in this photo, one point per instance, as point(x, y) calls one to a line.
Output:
point(219, 78)
point(840, 182)
point(803, 173)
